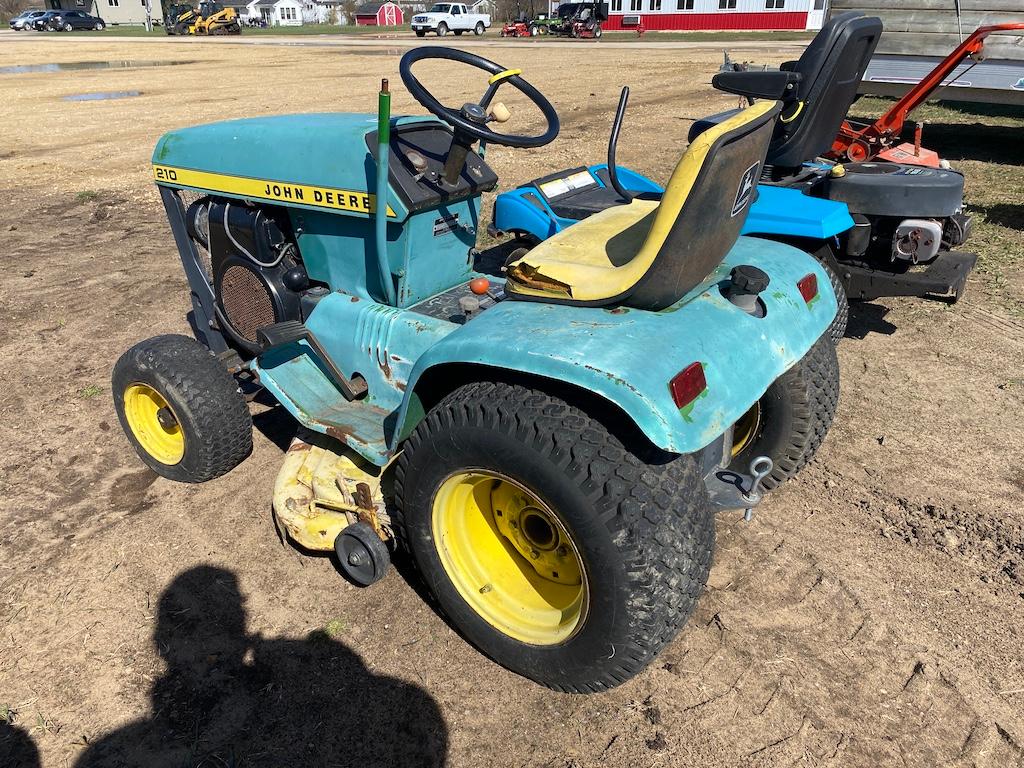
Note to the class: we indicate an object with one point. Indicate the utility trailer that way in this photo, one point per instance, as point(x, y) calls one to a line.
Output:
point(920, 33)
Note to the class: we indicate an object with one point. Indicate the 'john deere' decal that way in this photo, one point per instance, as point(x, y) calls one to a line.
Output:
point(745, 191)
point(352, 201)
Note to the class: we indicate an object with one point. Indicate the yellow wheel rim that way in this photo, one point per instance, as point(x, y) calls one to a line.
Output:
point(746, 429)
point(154, 424)
point(509, 557)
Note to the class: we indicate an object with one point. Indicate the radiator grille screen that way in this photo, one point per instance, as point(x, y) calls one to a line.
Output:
point(245, 301)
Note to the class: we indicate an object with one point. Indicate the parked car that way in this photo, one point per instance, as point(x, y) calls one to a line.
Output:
point(24, 19)
point(443, 18)
point(68, 21)
point(43, 23)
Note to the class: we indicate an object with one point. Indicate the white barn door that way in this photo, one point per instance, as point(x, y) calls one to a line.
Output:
point(816, 14)
point(390, 16)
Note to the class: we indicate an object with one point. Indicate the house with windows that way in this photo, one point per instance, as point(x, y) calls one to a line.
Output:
point(713, 14)
point(276, 13)
point(111, 11)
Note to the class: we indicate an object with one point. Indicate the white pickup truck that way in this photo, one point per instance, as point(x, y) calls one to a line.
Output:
point(443, 18)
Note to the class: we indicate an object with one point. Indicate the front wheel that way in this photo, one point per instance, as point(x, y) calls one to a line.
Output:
point(533, 30)
point(100, 26)
point(181, 409)
point(790, 421)
point(560, 552)
point(597, 32)
point(478, 29)
point(442, 29)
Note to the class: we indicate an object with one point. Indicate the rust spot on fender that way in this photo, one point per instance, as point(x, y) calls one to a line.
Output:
point(342, 433)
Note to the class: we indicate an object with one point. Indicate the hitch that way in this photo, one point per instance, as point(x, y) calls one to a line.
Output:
point(733, 490)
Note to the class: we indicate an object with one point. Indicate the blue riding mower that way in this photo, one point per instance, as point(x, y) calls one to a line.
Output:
point(879, 228)
point(548, 437)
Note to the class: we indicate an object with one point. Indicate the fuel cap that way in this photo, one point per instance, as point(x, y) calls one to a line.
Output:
point(748, 279)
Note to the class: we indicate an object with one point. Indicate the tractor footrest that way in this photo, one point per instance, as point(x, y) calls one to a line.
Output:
point(945, 277)
point(292, 331)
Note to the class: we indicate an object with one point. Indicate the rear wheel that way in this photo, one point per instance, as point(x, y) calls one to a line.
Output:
point(420, 33)
point(790, 421)
point(68, 27)
point(837, 330)
point(546, 540)
point(478, 29)
point(181, 409)
point(458, 32)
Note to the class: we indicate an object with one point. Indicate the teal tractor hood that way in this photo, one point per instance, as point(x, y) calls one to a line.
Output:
point(314, 161)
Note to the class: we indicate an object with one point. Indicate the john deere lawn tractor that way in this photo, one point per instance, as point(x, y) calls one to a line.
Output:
point(210, 18)
point(549, 435)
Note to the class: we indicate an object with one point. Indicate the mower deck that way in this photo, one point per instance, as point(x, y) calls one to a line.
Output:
point(946, 277)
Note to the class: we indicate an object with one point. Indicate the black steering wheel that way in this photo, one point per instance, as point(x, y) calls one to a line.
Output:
point(471, 120)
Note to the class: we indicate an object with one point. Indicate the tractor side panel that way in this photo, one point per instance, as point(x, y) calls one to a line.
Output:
point(629, 356)
point(378, 343)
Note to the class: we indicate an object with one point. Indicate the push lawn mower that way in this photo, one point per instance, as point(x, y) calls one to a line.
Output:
point(555, 433)
point(881, 229)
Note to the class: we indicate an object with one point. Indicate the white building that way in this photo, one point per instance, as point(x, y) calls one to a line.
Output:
point(713, 14)
point(276, 13)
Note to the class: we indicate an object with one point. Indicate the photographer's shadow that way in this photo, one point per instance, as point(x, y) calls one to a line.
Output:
point(233, 699)
point(17, 750)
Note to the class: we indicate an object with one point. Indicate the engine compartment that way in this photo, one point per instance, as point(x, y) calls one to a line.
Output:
point(254, 266)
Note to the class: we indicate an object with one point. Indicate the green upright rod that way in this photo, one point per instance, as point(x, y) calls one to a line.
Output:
point(381, 211)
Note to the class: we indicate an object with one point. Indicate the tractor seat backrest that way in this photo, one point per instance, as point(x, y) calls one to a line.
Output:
point(832, 67)
point(704, 206)
point(649, 254)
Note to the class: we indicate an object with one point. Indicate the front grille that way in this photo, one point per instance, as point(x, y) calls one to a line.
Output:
point(245, 301)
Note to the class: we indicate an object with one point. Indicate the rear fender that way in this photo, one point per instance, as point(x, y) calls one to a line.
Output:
point(628, 356)
point(524, 209)
point(781, 211)
point(777, 211)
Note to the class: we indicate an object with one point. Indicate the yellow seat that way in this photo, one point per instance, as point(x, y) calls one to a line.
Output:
point(648, 254)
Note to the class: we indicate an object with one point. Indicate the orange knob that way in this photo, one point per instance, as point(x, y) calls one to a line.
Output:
point(479, 285)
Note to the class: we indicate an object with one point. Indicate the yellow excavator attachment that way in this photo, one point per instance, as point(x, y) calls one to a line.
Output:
point(322, 488)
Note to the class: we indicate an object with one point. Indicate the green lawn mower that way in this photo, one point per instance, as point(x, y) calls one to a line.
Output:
point(549, 436)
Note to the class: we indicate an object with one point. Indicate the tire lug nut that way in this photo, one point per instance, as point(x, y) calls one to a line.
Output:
point(485, 589)
point(562, 551)
point(534, 554)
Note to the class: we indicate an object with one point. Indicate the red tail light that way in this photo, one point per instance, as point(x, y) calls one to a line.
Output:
point(687, 385)
point(808, 286)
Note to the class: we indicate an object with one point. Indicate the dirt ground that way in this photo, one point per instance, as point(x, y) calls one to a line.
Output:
point(872, 614)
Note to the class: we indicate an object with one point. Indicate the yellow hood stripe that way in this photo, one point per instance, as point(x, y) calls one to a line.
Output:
point(330, 198)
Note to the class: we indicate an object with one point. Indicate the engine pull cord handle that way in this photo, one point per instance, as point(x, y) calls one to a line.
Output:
point(613, 143)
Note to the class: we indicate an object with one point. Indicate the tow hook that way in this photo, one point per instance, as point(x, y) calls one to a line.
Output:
point(760, 468)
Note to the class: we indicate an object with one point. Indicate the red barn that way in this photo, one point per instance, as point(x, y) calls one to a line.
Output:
point(379, 15)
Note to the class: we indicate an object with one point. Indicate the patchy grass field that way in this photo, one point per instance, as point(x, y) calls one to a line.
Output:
point(872, 614)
